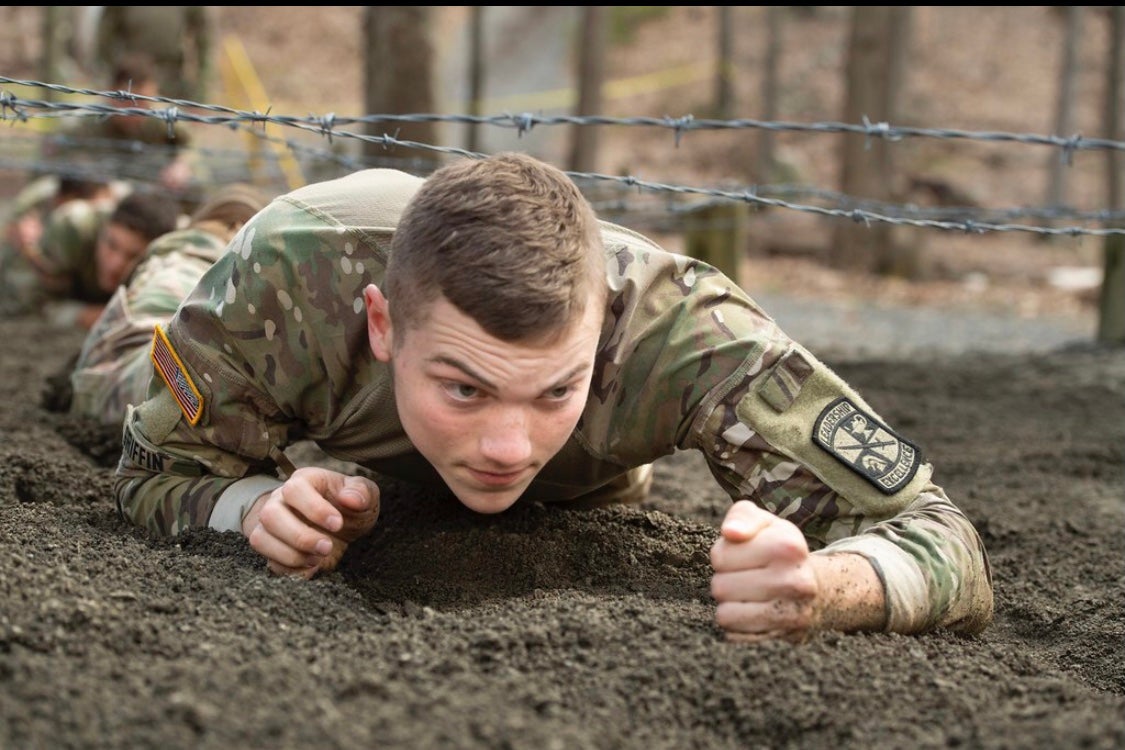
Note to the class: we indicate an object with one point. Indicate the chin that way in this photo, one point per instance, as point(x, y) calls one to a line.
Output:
point(489, 503)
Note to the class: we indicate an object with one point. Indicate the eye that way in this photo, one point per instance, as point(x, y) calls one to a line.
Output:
point(461, 391)
point(558, 393)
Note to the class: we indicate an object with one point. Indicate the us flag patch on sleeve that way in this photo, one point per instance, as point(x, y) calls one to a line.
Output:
point(866, 446)
point(176, 377)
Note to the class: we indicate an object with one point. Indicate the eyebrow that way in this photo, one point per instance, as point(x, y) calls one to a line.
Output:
point(459, 365)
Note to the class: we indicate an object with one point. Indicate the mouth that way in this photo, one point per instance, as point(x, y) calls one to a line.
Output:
point(496, 480)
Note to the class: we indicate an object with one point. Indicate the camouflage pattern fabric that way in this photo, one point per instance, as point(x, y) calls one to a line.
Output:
point(68, 249)
point(21, 290)
point(273, 348)
point(113, 369)
point(63, 276)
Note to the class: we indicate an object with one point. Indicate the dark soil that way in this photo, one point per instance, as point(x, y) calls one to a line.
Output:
point(545, 628)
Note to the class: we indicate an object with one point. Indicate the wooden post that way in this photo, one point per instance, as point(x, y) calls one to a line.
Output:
point(1111, 306)
point(717, 234)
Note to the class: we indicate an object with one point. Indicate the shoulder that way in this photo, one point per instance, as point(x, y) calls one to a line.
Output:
point(368, 198)
point(637, 266)
point(190, 242)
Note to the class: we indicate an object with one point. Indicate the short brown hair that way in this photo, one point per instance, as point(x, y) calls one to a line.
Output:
point(148, 214)
point(508, 240)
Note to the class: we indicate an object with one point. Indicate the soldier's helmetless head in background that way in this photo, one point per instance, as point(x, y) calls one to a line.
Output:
point(136, 221)
point(135, 73)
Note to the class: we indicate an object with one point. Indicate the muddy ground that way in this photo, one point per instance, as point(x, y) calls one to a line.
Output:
point(543, 628)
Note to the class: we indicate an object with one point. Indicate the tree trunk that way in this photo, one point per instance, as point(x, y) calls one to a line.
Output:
point(724, 65)
point(1111, 305)
point(1064, 106)
point(591, 74)
point(769, 92)
point(476, 73)
point(399, 75)
point(876, 71)
point(51, 63)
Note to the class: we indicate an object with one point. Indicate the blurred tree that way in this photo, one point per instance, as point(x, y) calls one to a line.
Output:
point(1111, 305)
point(1064, 106)
point(724, 65)
point(766, 160)
point(876, 70)
point(178, 38)
point(398, 74)
point(54, 41)
point(591, 75)
point(476, 73)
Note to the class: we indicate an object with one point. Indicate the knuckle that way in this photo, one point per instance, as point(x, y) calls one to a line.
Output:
point(306, 540)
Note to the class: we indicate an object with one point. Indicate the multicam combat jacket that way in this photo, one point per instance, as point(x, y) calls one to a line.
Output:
point(113, 369)
point(272, 347)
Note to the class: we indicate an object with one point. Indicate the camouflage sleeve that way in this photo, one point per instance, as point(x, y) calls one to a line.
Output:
point(253, 360)
point(193, 438)
point(63, 236)
point(113, 367)
point(779, 428)
point(796, 439)
point(68, 247)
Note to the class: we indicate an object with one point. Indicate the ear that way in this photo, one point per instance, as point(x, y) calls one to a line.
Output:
point(379, 329)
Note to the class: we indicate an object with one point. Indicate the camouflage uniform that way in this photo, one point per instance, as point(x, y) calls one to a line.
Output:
point(20, 289)
point(113, 368)
point(67, 277)
point(272, 347)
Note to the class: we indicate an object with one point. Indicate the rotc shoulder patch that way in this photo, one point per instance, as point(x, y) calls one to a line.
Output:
point(866, 446)
point(176, 377)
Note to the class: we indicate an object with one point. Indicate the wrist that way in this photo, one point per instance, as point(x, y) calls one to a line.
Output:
point(234, 504)
point(850, 594)
point(250, 518)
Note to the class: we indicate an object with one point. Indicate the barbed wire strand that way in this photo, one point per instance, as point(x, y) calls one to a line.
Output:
point(330, 126)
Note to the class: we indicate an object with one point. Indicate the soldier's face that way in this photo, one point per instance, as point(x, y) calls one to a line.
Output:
point(118, 251)
point(487, 414)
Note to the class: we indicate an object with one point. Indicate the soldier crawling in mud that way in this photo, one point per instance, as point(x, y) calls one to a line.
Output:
point(482, 329)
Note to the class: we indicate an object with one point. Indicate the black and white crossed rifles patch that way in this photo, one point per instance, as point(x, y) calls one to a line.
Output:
point(866, 446)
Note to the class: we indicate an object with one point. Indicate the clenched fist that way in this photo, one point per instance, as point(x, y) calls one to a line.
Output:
point(768, 585)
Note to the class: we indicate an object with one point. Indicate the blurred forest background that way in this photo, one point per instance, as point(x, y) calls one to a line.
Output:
point(678, 112)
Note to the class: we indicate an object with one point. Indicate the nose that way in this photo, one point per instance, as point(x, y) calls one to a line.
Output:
point(113, 269)
point(505, 441)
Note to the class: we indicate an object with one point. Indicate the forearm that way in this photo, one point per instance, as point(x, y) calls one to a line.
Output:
point(850, 594)
point(167, 504)
point(932, 566)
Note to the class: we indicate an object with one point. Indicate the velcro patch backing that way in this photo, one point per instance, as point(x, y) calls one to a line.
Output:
point(176, 377)
point(866, 446)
